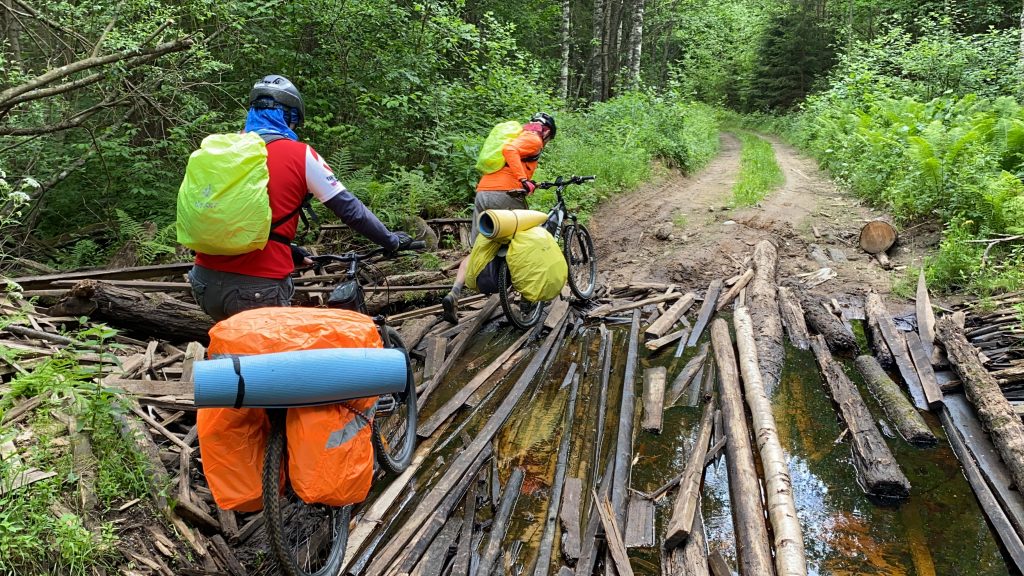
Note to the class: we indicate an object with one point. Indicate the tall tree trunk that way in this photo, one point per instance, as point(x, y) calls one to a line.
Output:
point(598, 58)
point(606, 50)
point(12, 29)
point(1021, 58)
point(563, 77)
point(636, 37)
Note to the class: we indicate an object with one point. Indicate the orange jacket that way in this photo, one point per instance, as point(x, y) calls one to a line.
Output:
point(526, 145)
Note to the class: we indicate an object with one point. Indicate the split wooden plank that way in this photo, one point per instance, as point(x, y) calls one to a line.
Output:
point(764, 311)
point(993, 409)
point(793, 319)
point(688, 373)
point(413, 331)
point(461, 343)
point(436, 555)
point(435, 309)
point(925, 317)
point(706, 310)
point(653, 345)
point(569, 515)
point(690, 559)
point(744, 487)
point(639, 522)
point(508, 499)
point(561, 464)
point(608, 310)
point(194, 352)
point(895, 404)
point(685, 508)
point(34, 282)
point(734, 291)
point(435, 351)
point(925, 373)
point(24, 478)
point(654, 398)
point(667, 320)
point(874, 307)
point(786, 531)
point(879, 472)
point(613, 535)
point(624, 438)
point(464, 552)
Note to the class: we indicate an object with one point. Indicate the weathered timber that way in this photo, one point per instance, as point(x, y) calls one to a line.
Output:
point(706, 310)
point(624, 439)
point(508, 499)
point(993, 409)
point(460, 345)
point(412, 331)
point(877, 236)
point(667, 339)
point(786, 531)
point(608, 310)
point(925, 316)
point(435, 557)
point(654, 398)
point(873, 310)
point(688, 373)
point(744, 489)
point(358, 564)
point(639, 522)
point(899, 410)
point(666, 321)
point(691, 558)
point(133, 431)
point(740, 284)
point(685, 507)
point(1004, 528)
point(879, 472)
point(718, 565)
point(925, 373)
point(613, 534)
point(793, 319)
point(588, 545)
point(465, 459)
point(34, 282)
point(83, 463)
point(464, 552)
point(874, 307)
point(602, 399)
point(569, 515)
point(453, 404)
point(434, 356)
point(147, 313)
point(551, 519)
point(764, 311)
point(840, 339)
point(435, 309)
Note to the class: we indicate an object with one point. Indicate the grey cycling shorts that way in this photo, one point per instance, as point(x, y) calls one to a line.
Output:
point(486, 200)
point(223, 294)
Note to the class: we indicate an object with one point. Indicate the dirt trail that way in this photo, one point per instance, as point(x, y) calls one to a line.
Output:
point(710, 239)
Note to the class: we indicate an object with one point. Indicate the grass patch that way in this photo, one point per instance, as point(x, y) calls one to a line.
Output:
point(759, 172)
point(680, 221)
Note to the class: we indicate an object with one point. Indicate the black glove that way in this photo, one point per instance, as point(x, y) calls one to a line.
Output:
point(300, 257)
point(404, 241)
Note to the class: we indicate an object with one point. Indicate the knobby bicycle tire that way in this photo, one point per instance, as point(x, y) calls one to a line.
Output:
point(514, 310)
point(578, 248)
point(385, 427)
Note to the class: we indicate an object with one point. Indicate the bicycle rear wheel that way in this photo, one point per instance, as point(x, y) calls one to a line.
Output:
point(307, 539)
point(579, 252)
point(520, 312)
point(394, 421)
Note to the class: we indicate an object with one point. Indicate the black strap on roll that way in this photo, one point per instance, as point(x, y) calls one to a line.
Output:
point(241, 381)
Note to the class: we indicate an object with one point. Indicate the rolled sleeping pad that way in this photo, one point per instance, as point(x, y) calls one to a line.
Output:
point(501, 224)
point(298, 378)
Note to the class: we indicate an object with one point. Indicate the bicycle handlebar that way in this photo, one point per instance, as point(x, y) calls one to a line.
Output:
point(353, 256)
point(560, 182)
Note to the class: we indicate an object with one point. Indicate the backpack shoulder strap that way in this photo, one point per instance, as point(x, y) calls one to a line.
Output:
point(301, 210)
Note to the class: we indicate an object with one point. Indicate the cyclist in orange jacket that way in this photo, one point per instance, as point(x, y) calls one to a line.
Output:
point(504, 189)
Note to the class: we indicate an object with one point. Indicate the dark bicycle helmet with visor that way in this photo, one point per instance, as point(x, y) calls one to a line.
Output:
point(547, 121)
point(277, 92)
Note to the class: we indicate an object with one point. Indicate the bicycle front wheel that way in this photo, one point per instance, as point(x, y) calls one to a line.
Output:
point(579, 252)
point(394, 421)
point(306, 539)
point(520, 312)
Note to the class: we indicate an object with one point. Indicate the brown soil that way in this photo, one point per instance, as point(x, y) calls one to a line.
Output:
point(710, 239)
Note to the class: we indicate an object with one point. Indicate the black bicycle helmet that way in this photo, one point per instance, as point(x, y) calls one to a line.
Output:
point(281, 91)
point(545, 120)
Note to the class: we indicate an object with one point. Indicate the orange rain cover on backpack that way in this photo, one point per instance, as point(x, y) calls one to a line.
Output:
point(330, 453)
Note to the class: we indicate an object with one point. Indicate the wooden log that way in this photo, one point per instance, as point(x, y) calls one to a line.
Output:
point(612, 533)
point(994, 411)
point(718, 565)
point(706, 310)
point(459, 399)
point(654, 399)
point(734, 291)
point(588, 547)
point(685, 508)
point(608, 310)
point(412, 331)
point(788, 537)
point(624, 439)
point(34, 282)
point(460, 345)
point(561, 464)
point(764, 311)
point(793, 319)
point(464, 460)
point(876, 237)
point(925, 373)
point(639, 522)
point(602, 399)
point(83, 464)
point(874, 307)
point(666, 321)
point(879, 472)
point(876, 339)
point(147, 313)
point(435, 557)
point(839, 338)
point(653, 345)
point(895, 404)
point(508, 499)
point(132, 430)
point(744, 489)
point(569, 515)
point(464, 553)
point(687, 374)
point(691, 558)
point(883, 261)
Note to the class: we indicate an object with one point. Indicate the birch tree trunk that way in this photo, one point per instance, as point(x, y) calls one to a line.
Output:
point(563, 77)
point(1021, 57)
point(636, 35)
point(598, 57)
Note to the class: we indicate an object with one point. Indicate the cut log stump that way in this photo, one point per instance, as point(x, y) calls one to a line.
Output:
point(877, 236)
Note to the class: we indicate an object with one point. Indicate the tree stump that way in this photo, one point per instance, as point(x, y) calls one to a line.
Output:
point(877, 236)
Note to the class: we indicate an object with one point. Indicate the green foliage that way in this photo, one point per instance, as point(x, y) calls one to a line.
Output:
point(759, 172)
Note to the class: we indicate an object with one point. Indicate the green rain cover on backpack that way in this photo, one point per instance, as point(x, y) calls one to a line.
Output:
point(223, 205)
point(490, 158)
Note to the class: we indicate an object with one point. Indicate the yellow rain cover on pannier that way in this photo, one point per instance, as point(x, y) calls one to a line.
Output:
point(536, 264)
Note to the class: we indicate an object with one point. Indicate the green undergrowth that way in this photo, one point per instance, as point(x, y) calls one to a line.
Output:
point(759, 172)
point(42, 530)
